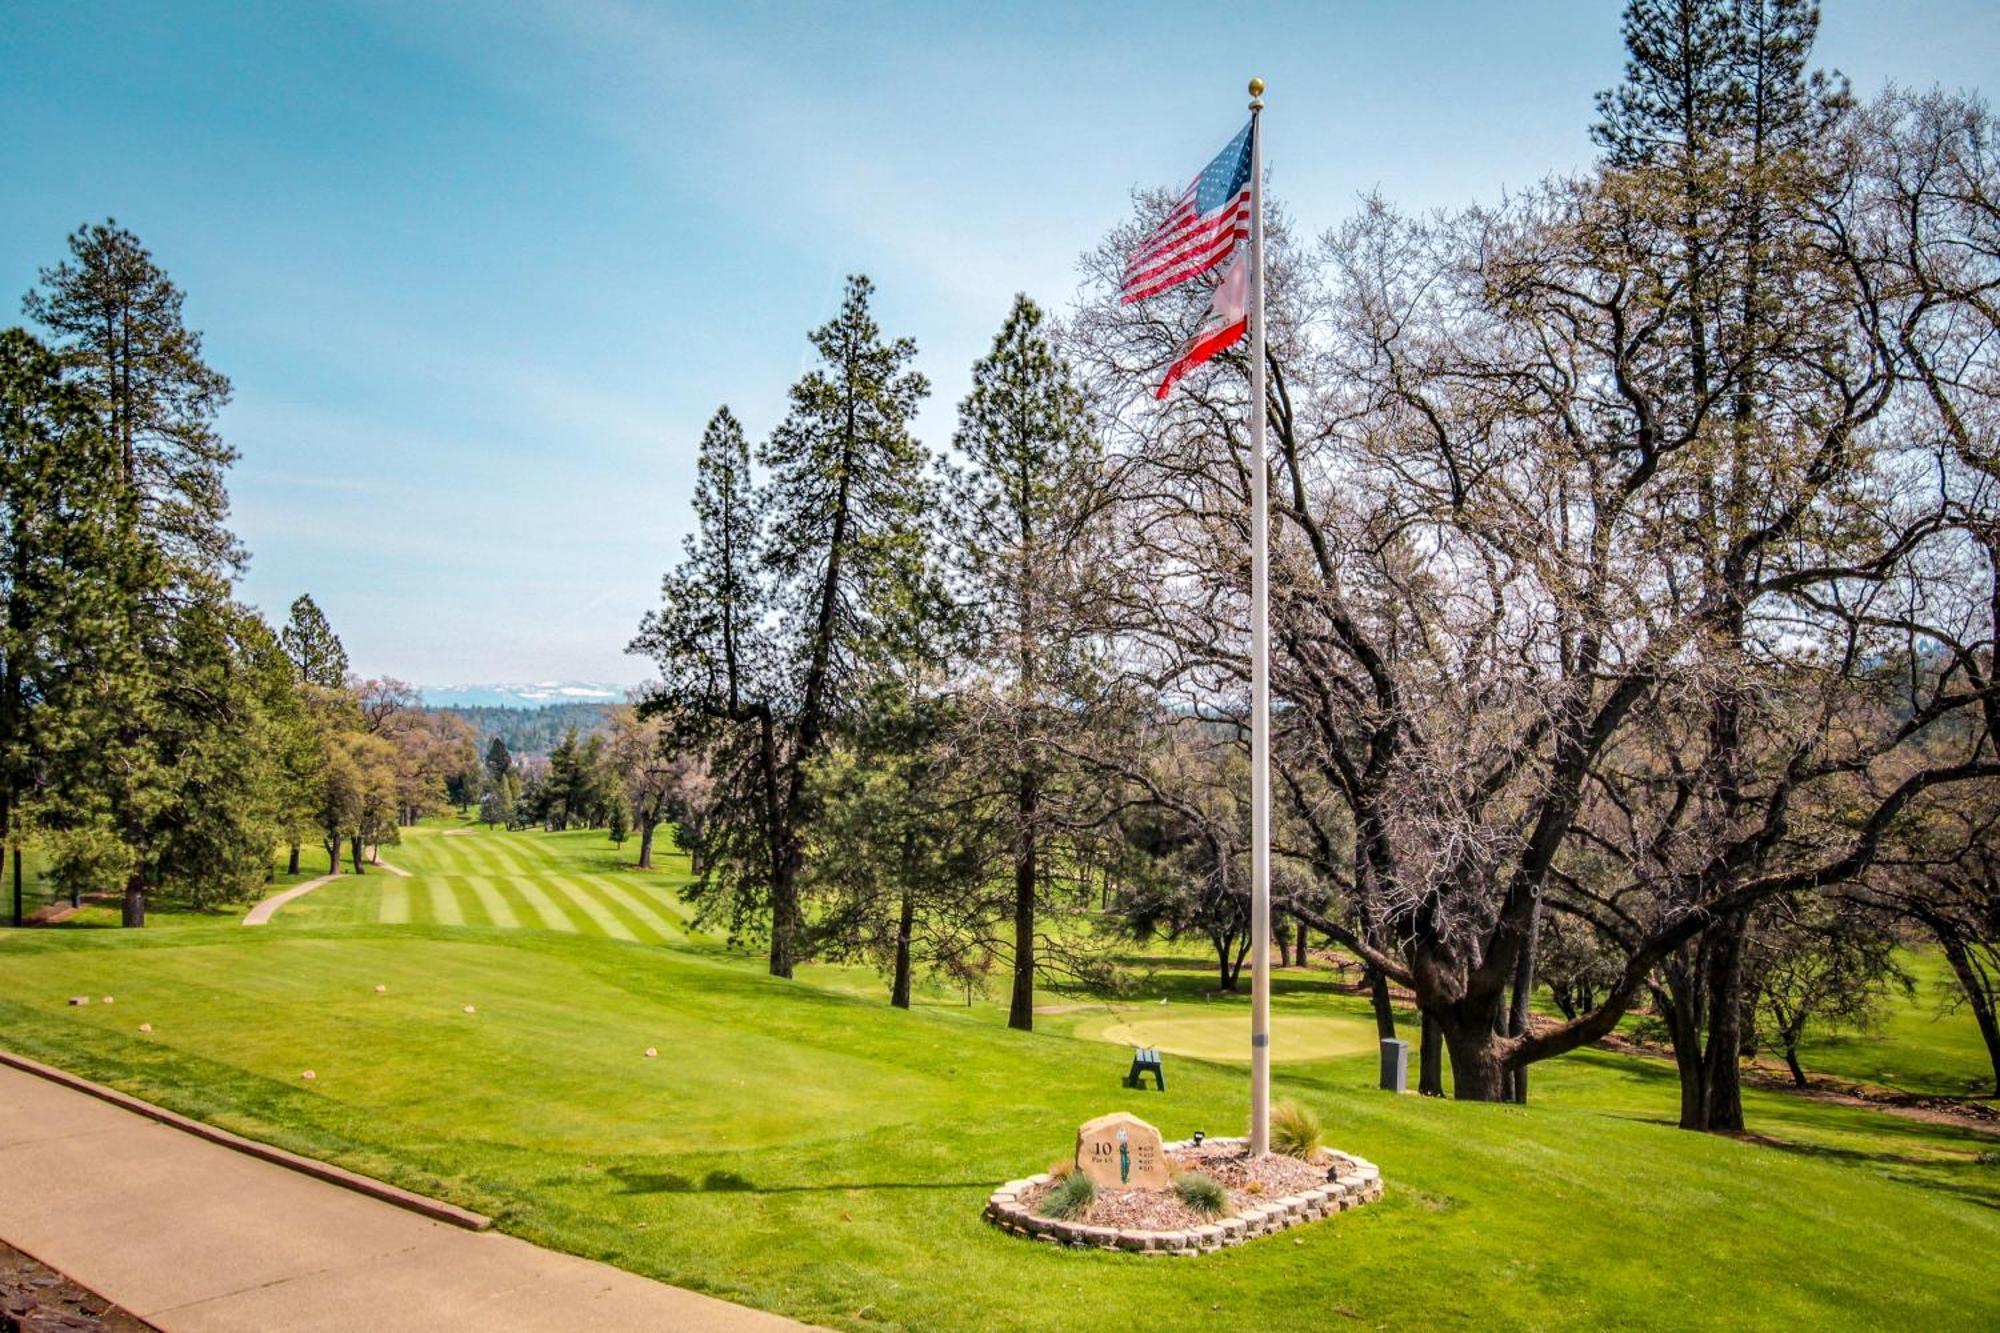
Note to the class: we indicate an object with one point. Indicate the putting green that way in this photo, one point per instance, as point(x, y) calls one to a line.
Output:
point(1227, 1036)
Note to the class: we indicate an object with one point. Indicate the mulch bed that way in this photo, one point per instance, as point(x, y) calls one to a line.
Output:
point(1250, 1181)
point(36, 1299)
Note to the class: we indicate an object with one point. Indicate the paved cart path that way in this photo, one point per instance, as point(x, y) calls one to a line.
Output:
point(262, 913)
point(193, 1237)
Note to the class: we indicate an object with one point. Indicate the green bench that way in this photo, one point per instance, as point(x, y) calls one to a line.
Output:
point(1146, 1060)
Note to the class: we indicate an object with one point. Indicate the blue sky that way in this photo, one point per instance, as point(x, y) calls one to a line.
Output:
point(480, 272)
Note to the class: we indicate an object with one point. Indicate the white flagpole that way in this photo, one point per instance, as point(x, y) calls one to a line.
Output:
point(1260, 665)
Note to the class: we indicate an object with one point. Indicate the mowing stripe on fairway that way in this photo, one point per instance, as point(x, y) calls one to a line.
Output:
point(544, 848)
point(493, 902)
point(538, 905)
point(439, 905)
point(497, 852)
point(640, 905)
point(395, 906)
point(464, 861)
point(656, 893)
point(663, 897)
point(582, 917)
point(522, 845)
point(624, 911)
point(420, 910)
point(470, 906)
point(601, 916)
point(455, 860)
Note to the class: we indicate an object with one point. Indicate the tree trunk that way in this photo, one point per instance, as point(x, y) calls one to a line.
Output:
point(1725, 1025)
point(785, 918)
point(1524, 990)
point(6, 832)
point(1681, 1007)
point(646, 843)
point(292, 865)
point(1478, 1071)
point(781, 825)
point(1304, 959)
point(333, 856)
point(1792, 1062)
point(1962, 966)
point(1021, 1006)
point(899, 994)
point(1430, 1060)
point(1378, 998)
point(134, 912)
point(811, 720)
point(1230, 952)
point(354, 847)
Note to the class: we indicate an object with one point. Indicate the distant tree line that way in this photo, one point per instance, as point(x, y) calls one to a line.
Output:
point(1633, 598)
point(529, 730)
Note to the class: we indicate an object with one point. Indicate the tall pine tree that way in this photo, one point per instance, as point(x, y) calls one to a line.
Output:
point(791, 594)
point(1715, 140)
point(314, 649)
point(1020, 525)
point(171, 699)
point(58, 527)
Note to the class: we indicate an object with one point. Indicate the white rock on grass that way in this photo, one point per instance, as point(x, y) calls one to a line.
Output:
point(79, 999)
point(470, 1010)
point(145, 1027)
point(309, 1076)
point(109, 1000)
point(651, 1052)
point(381, 990)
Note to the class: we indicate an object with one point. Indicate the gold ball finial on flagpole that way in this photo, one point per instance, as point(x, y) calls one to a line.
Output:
point(1256, 87)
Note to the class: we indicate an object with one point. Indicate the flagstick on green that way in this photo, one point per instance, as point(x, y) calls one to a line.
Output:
point(1260, 664)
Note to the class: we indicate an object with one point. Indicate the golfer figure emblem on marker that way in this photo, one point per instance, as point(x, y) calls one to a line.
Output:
point(1122, 1152)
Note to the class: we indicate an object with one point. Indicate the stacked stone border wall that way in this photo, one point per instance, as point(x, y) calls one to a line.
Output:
point(1354, 1182)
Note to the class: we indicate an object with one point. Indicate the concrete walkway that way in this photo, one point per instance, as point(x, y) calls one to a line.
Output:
point(192, 1237)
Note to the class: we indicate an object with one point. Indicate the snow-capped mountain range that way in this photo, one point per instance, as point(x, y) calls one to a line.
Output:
point(536, 695)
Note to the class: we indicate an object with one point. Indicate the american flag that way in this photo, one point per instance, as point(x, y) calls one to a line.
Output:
point(1201, 231)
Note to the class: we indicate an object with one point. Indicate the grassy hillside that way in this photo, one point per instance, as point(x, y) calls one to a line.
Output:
point(803, 1147)
point(1921, 1046)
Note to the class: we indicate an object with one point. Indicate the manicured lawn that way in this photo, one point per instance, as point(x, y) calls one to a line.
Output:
point(1920, 1046)
point(571, 883)
point(803, 1147)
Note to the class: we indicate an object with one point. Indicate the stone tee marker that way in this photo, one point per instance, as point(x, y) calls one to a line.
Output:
point(1122, 1152)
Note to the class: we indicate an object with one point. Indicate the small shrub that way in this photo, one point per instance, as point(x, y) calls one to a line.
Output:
point(1075, 1194)
point(1254, 1187)
point(1203, 1193)
point(1061, 1169)
point(1295, 1131)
